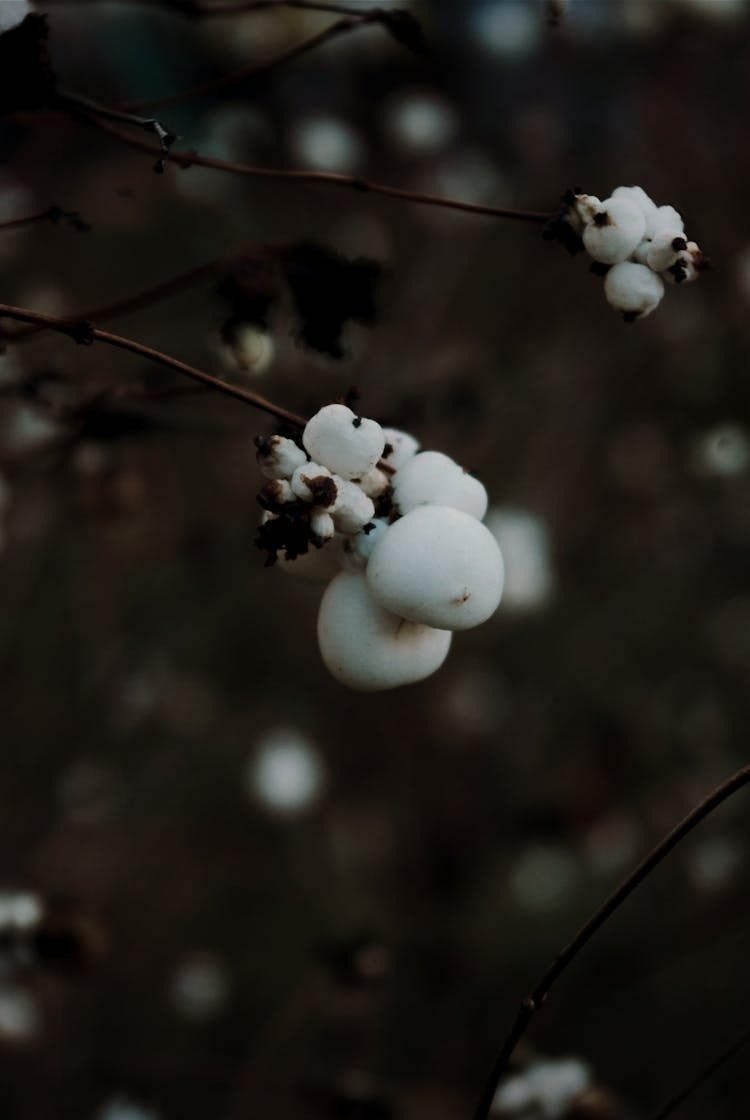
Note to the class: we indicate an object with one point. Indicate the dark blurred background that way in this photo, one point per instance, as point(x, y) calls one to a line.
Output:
point(229, 887)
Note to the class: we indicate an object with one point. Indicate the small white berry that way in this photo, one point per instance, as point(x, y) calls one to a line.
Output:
point(347, 444)
point(279, 457)
point(665, 249)
point(374, 483)
point(664, 217)
point(637, 195)
point(431, 477)
point(352, 509)
point(367, 647)
point(616, 232)
point(314, 483)
point(399, 447)
point(321, 526)
point(356, 550)
point(438, 566)
point(633, 289)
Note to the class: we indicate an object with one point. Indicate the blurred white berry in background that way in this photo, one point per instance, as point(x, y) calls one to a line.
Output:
point(125, 1108)
point(284, 771)
point(524, 542)
point(545, 1088)
point(12, 12)
point(199, 987)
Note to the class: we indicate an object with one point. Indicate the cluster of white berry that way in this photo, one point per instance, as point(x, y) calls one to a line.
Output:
point(636, 244)
point(397, 532)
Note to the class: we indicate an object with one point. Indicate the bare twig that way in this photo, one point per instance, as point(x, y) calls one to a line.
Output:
point(534, 1000)
point(713, 1066)
point(51, 214)
point(86, 333)
point(78, 105)
point(329, 178)
point(254, 70)
point(202, 8)
point(148, 296)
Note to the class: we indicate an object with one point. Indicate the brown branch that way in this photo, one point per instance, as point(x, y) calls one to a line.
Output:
point(86, 333)
point(198, 8)
point(51, 214)
point(147, 296)
point(254, 70)
point(713, 1066)
point(329, 178)
point(532, 1003)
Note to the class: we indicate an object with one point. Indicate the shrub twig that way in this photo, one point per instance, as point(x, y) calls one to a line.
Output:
point(538, 994)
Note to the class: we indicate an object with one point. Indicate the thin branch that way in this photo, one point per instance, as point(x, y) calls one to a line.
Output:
point(540, 991)
point(85, 333)
point(713, 1066)
point(78, 105)
point(329, 178)
point(202, 8)
point(254, 70)
point(51, 214)
point(148, 296)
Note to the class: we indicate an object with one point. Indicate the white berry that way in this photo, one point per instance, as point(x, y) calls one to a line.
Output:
point(352, 508)
point(616, 232)
point(439, 566)
point(347, 444)
point(633, 289)
point(665, 249)
point(637, 195)
point(399, 447)
point(664, 217)
point(313, 482)
point(368, 648)
point(431, 477)
point(279, 457)
point(357, 549)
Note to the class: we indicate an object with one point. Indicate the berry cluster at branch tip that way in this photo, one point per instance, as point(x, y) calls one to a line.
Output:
point(636, 245)
point(395, 532)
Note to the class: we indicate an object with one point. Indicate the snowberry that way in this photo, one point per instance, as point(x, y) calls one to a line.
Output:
point(633, 289)
point(278, 457)
point(314, 483)
point(615, 232)
point(322, 528)
point(431, 477)
point(399, 447)
point(367, 647)
point(664, 217)
point(439, 566)
point(346, 443)
point(357, 549)
point(665, 249)
point(352, 508)
point(637, 195)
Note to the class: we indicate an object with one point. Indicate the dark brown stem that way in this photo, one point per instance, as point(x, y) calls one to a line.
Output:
point(201, 8)
point(330, 178)
point(79, 106)
point(51, 214)
point(86, 333)
point(255, 70)
point(713, 1066)
point(148, 296)
point(531, 1004)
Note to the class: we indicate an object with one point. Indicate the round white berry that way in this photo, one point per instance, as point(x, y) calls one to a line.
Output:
point(314, 483)
point(664, 217)
point(665, 249)
point(321, 526)
point(399, 447)
point(616, 232)
point(439, 566)
point(637, 195)
point(352, 509)
point(357, 549)
point(368, 648)
point(633, 289)
point(433, 478)
point(278, 457)
point(583, 210)
point(347, 444)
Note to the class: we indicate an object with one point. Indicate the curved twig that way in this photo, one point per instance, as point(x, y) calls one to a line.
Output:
point(253, 70)
point(85, 333)
point(51, 214)
point(329, 178)
point(713, 1066)
point(538, 994)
